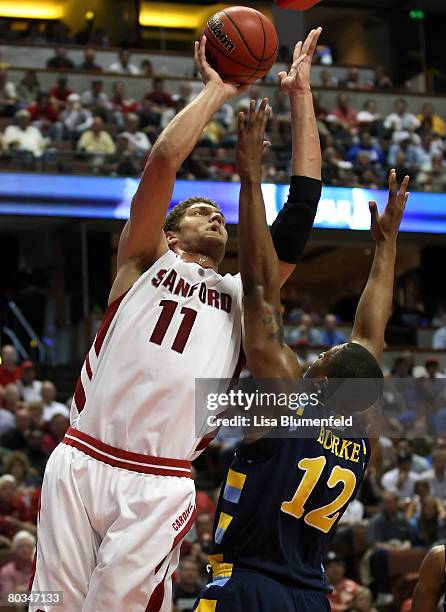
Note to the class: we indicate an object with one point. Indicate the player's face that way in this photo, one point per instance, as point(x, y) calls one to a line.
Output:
point(203, 231)
point(319, 368)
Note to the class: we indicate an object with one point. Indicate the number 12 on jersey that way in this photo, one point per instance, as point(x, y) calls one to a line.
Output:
point(169, 308)
point(320, 518)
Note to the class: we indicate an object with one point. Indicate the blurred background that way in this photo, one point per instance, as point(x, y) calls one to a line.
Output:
point(86, 87)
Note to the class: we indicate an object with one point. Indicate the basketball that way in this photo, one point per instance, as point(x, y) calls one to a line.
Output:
point(299, 5)
point(242, 44)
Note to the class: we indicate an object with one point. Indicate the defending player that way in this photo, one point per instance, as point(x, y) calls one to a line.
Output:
point(118, 497)
point(282, 497)
point(431, 584)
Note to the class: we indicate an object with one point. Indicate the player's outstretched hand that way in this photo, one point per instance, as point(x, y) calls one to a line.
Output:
point(209, 75)
point(299, 76)
point(385, 227)
point(251, 140)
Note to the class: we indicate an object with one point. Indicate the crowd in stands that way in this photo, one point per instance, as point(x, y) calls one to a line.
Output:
point(115, 132)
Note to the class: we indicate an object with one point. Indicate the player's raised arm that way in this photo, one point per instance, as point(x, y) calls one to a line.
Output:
point(266, 354)
point(428, 591)
point(292, 227)
point(142, 240)
point(375, 305)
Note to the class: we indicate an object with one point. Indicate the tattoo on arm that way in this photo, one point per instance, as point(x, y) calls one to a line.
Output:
point(275, 325)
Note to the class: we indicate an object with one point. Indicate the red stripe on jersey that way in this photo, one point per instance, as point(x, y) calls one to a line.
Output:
point(88, 367)
point(79, 396)
point(106, 322)
point(157, 597)
point(118, 453)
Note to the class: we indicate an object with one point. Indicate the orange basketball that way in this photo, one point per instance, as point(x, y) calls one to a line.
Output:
point(242, 44)
point(299, 5)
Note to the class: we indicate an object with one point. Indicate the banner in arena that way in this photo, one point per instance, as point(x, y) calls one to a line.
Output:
point(110, 197)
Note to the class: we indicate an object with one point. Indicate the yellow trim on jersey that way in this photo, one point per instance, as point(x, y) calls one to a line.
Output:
point(220, 569)
point(235, 479)
point(207, 605)
point(224, 520)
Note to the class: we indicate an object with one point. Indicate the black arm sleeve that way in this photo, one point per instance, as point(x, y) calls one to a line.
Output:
point(292, 228)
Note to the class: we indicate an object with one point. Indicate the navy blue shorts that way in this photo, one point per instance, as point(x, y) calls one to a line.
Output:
point(247, 591)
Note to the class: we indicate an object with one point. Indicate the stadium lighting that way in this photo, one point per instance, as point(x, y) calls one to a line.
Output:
point(31, 10)
point(175, 15)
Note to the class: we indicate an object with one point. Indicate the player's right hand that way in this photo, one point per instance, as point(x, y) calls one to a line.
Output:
point(209, 75)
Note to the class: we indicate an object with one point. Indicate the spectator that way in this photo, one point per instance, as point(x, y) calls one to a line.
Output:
point(89, 61)
point(14, 513)
point(419, 464)
point(147, 69)
point(428, 527)
point(15, 439)
point(14, 576)
point(387, 530)
point(74, 118)
point(432, 366)
point(306, 330)
point(10, 372)
point(57, 427)
point(366, 172)
point(17, 464)
point(381, 80)
point(432, 177)
point(366, 145)
point(96, 140)
point(123, 65)
point(35, 412)
point(438, 340)
point(427, 149)
point(158, 95)
point(401, 118)
point(24, 139)
point(7, 421)
point(403, 143)
point(401, 479)
point(221, 169)
point(436, 476)
point(28, 89)
point(121, 104)
point(11, 398)
point(327, 80)
point(430, 121)
point(43, 111)
point(344, 589)
point(345, 114)
point(362, 601)
point(138, 141)
point(354, 513)
point(369, 114)
point(50, 406)
point(60, 60)
point(96, 100)
point(122, 162)
point(150, 120)
point(353, 81)
point(330, 335)
point(30, 388)
point(303, 354)
point(34, 451)
point(61, 92)
point(188, 586)
point(8, 96)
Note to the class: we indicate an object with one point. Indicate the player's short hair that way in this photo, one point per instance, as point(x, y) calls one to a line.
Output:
point(353, 361)
point(173, 221)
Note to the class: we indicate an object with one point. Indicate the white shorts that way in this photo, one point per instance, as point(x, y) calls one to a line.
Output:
point(110, 527)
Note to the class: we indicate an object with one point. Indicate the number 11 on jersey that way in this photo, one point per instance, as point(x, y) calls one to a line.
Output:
point(169, 308)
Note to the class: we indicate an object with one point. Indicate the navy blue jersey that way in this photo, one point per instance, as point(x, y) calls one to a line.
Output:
point(281, 499)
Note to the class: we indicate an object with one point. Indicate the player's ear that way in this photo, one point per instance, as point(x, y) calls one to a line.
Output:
point(171, 238)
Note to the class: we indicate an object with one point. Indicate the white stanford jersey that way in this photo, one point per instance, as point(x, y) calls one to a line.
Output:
point(136, 391)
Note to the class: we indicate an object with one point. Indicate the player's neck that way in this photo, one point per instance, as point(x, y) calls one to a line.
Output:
point(205, 261)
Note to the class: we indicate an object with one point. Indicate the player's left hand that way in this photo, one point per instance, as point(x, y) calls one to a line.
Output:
point(299, 76)
point(251, 140)
point(385, 227)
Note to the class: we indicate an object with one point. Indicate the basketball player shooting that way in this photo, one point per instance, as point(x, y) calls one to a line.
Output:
point(118, 497)
point(283, 497)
